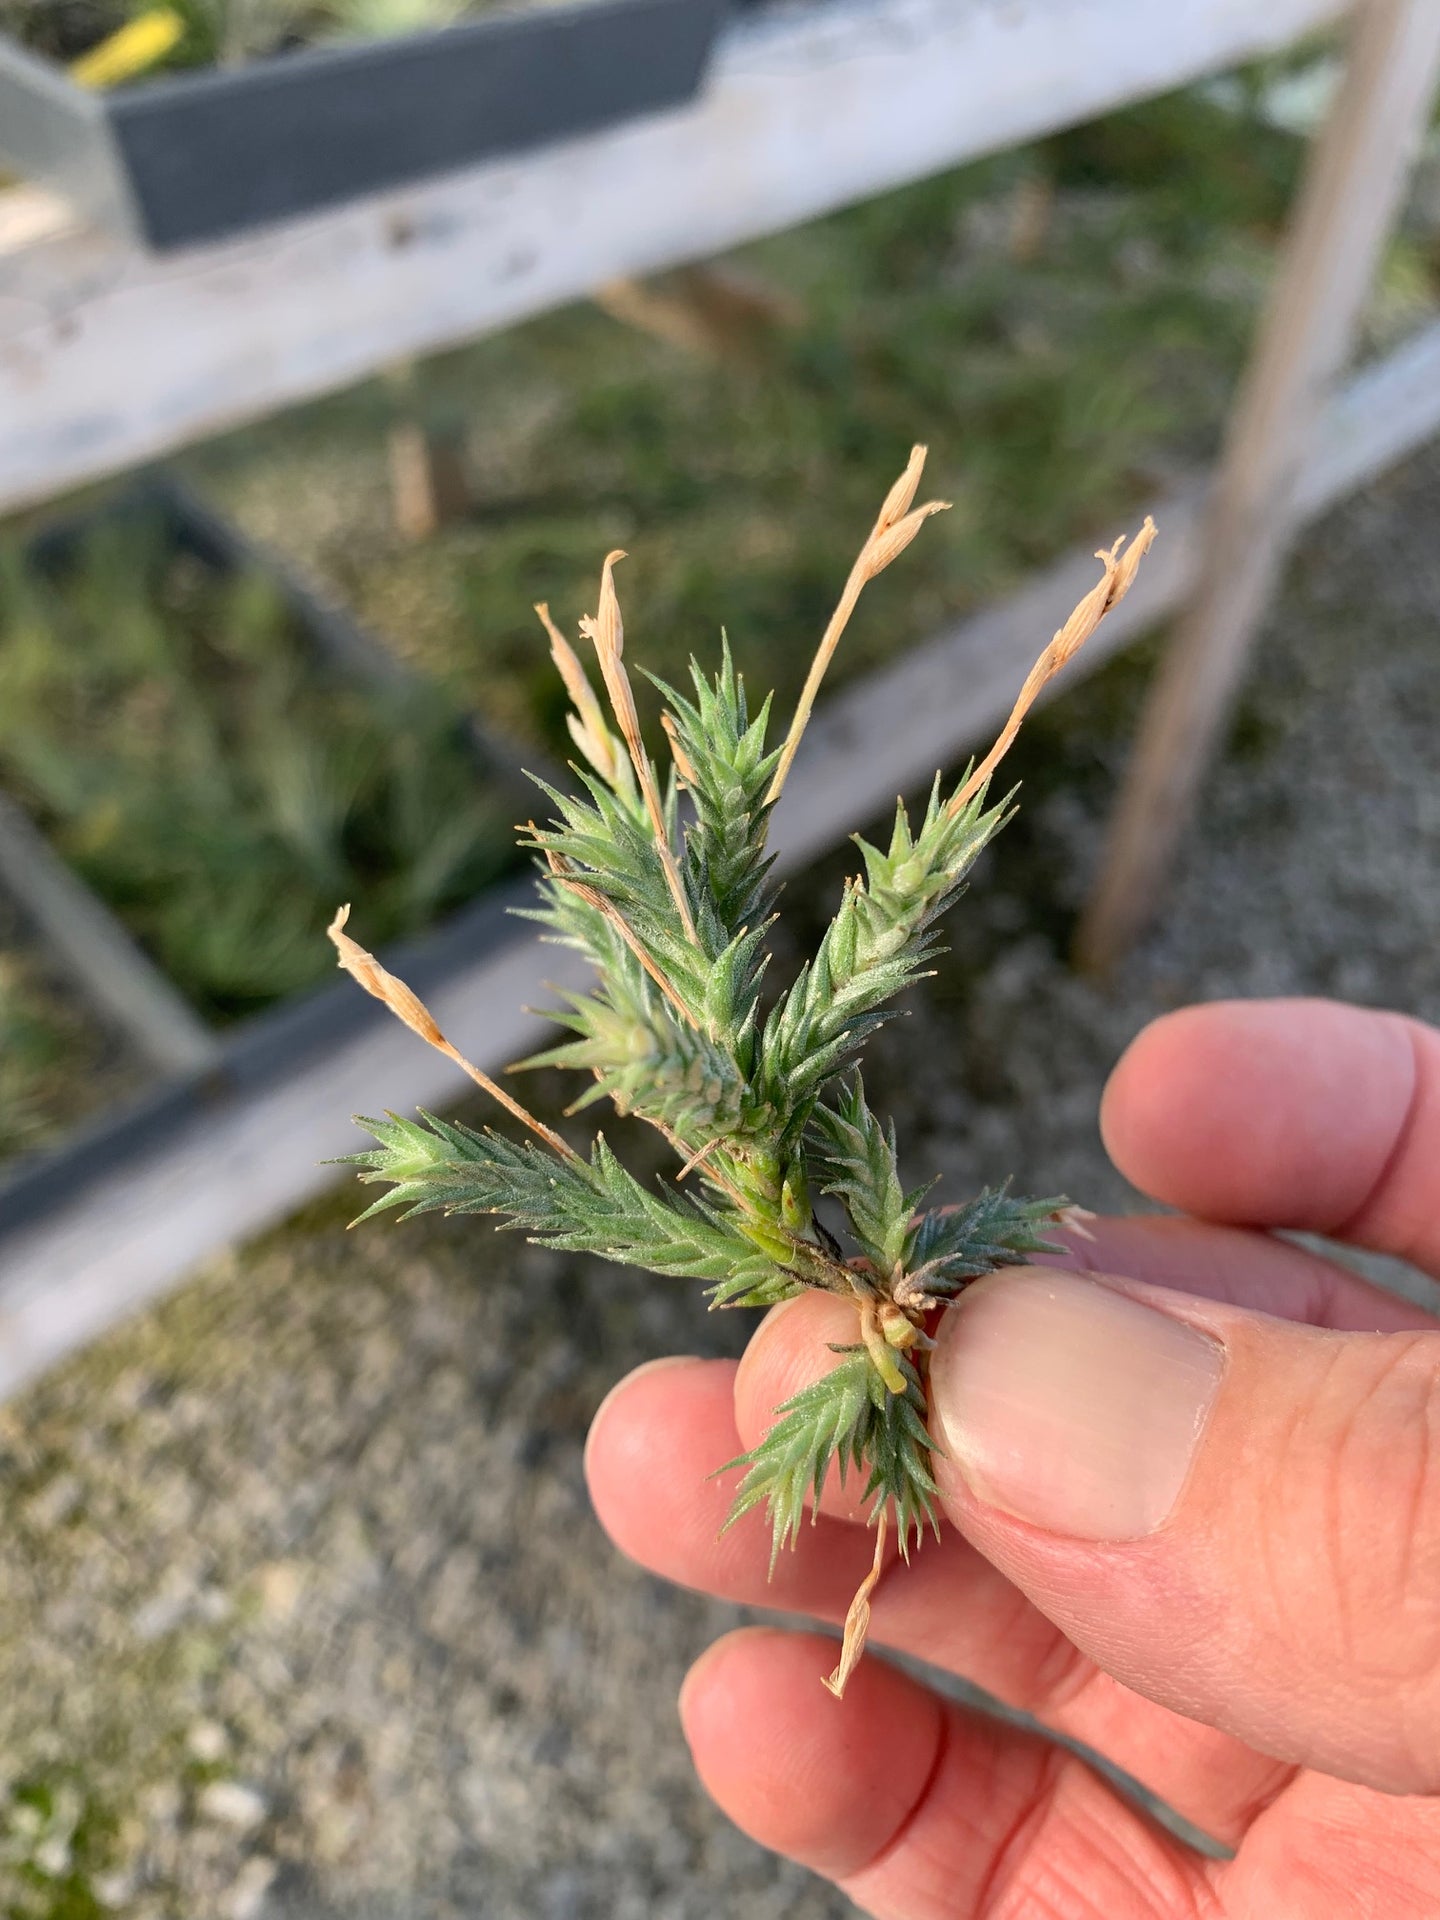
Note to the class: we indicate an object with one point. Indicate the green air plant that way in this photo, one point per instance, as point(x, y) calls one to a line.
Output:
point(662, 882)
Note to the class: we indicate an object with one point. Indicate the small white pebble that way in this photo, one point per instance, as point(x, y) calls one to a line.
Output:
point(279, 1583)
point(208, 1741)
point(52, 1856)
point(113, 1889)
point(166, 1608)
point(232, 1805)
point(161, 1803)
point(252, 1883)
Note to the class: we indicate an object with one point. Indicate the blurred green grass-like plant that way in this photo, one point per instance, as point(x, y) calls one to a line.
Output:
point(191, 759)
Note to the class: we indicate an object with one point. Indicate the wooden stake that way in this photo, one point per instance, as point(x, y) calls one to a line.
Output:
point(1032, 208)
point(713, 311)
point(1349, 197)
point(429, 487)
point(428, 484)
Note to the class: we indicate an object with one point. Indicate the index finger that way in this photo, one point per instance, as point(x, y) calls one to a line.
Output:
point(1305, 1114)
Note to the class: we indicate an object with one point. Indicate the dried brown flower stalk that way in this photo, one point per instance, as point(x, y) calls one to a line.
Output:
point(409, 1007)
point(895, 527)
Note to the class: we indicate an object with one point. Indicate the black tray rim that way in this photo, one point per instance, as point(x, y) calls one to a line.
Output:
point(112, 152)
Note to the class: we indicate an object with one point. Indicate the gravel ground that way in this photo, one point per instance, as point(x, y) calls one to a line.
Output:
point(304, 1609)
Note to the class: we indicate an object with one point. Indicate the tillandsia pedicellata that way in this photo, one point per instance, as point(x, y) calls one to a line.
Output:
point(662, 880)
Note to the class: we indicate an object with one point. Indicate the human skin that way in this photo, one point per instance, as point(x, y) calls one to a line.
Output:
point(1191, 1496)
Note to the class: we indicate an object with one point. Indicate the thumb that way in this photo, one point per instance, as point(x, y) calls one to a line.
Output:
point(1236, 1516)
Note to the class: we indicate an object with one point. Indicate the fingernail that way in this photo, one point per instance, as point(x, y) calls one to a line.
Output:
point(1070, 1405)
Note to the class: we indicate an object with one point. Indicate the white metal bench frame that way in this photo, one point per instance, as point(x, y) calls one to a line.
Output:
point(108, 357)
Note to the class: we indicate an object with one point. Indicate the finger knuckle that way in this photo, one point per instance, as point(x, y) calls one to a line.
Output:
point(1378, 1505)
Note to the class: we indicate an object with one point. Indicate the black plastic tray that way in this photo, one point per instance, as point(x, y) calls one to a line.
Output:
point(192, 156)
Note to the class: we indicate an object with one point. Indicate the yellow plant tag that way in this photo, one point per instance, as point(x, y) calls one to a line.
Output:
point(130, 50)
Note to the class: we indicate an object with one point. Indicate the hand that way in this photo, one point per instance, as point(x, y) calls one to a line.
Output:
point(1195, 1516)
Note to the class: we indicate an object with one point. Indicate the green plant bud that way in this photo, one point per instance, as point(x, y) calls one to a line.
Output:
point(771, 1241)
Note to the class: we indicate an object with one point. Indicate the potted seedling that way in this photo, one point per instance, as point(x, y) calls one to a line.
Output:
point(176, 121)
point(661, 879)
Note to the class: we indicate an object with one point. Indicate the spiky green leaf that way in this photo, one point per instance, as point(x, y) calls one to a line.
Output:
point(728, 774)
point(593, 1206)
point(950, 1245)
point(853, 1158)
point(877, 945)
point(848, 1418)
point(826, 1421)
